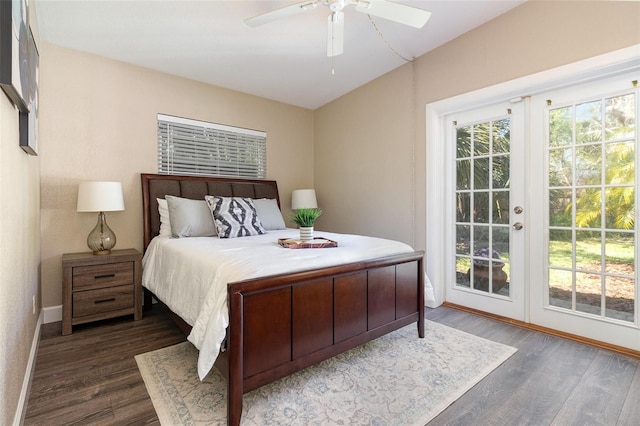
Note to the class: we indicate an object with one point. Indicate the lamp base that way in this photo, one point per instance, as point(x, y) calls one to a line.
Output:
point(101, 252)
point(102, 239)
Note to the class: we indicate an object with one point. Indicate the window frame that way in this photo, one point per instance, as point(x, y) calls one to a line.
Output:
point(199, 148)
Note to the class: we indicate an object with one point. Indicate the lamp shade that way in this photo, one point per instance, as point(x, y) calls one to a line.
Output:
point(100, 197)
point(304, 199)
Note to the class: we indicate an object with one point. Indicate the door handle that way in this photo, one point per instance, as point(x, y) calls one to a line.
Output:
point(517, 226)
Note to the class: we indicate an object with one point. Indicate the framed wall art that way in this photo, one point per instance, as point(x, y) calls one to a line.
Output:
point(29, 121)
point(14, 51)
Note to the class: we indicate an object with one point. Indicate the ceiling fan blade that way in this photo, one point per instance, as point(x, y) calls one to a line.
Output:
point(281, 13)
point(396, 12)
point(335, 34)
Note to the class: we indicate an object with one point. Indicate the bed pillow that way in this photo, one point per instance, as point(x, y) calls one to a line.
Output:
point(165, 222)
point(234, 216)
point(189, 218)
point(269, 214)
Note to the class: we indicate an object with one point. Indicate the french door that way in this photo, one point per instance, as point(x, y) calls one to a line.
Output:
point(542, 212)
point(488, 254)
point(584, 259)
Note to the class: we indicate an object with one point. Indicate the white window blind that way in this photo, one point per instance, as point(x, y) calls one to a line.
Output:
point(194, 147)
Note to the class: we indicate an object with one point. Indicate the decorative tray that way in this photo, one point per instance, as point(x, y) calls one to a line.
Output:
point(292, 243)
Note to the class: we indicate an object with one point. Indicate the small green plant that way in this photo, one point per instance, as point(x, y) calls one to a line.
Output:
point(305, 217)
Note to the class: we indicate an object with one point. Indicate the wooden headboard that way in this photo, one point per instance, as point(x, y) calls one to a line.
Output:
point(195, 187)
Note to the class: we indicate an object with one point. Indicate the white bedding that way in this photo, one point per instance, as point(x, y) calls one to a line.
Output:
point(190, 275)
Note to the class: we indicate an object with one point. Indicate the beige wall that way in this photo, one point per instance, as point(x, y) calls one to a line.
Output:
point(19, 258)
point(98, 122)
point(364, 159)
point(536, 36)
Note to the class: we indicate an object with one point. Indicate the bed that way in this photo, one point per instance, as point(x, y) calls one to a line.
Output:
point(279, 322)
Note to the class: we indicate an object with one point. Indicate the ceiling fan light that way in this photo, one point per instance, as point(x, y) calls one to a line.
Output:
point(336, 5)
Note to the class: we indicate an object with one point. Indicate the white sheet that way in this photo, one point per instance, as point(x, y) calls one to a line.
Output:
point(190, 275)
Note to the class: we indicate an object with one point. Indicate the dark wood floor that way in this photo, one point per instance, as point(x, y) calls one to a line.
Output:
point(91, 377)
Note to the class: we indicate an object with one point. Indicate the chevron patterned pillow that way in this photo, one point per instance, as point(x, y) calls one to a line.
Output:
point(234, 216)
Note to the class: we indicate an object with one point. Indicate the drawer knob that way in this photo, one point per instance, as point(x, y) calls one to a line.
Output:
point(112, 299)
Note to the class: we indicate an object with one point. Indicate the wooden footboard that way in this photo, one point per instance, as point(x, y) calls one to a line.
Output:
point(282, 324)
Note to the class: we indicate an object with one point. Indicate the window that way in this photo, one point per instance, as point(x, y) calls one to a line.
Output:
point(194, 147)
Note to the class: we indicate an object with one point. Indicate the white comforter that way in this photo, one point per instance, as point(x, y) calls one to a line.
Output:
point(190, 275)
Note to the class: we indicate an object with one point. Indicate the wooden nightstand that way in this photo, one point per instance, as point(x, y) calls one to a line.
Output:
point(98, 287)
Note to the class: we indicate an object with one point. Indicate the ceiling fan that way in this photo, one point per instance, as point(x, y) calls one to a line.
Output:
point(401, 13)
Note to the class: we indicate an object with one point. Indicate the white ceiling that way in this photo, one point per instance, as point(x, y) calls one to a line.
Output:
point(285, 61)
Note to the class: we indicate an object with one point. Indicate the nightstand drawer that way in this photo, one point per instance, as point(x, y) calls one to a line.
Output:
point(109, 299)
point(100, 276)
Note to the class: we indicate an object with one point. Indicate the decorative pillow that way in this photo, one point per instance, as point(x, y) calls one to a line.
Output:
point(234, 216)
point(189, 218)
point(165, 222)
point(269, 214)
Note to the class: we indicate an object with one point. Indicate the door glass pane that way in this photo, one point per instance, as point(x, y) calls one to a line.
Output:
point(481, 173)
point(501, 207)
point(560, 288)
point(482, 213)
point(481, 207)
point(463, 206)
point(463, 142)
point(463, 267)
point(501, 175)
point(560, 167)
point(591, 205)
point(588, 293)
point(501, 136)
point(620, 117)
point(620, 166)
point(463, 171)
point(619, 202)
point(463, 234)
point(619, 300)
point(588, 165)
point(561, 126)
point(481, 139)
point(560, 207)
point(589, 122)
point(588, 251)
point(500, 267)
point(588, 207)
point(560, 248)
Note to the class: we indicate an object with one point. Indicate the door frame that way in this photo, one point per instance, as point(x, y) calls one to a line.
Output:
point(608, 64)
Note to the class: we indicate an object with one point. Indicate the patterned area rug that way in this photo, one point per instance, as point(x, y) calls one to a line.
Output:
point(397, 379)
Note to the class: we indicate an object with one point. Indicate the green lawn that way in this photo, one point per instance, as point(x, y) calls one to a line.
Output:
point(619, 250)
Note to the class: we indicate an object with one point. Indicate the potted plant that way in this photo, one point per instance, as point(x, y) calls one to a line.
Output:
point(305, 218)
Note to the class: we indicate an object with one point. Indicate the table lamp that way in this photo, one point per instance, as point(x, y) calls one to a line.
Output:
point(100, 197)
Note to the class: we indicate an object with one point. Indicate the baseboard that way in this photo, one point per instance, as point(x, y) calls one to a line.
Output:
point(557, 333)
point(21, 410)
point(52, 314)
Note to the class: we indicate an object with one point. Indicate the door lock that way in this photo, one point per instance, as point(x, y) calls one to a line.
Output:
point(517, 226)
point(517, 209)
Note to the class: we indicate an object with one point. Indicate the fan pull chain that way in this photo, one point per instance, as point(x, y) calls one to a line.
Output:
point(386, 42)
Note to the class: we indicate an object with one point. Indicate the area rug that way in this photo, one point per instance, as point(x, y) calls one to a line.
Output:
point(398, 379)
